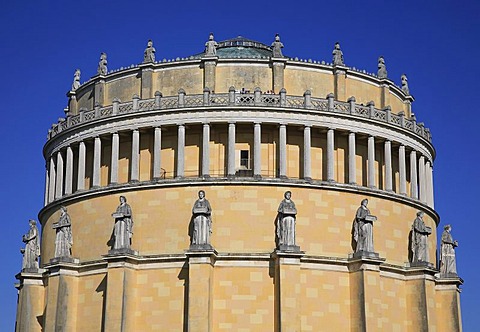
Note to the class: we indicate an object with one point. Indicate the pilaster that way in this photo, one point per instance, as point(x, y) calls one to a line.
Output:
point(200, 289)
point(209, 72)
point(30, 308)
point(147, 81)
point(340, 78)
point(120, 301)
point(365, 294)
point(278, 71)
point(447, 300)
point(99, 93)
point(287, 290)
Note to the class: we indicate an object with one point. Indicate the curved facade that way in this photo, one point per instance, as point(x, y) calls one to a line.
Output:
point(159, 132)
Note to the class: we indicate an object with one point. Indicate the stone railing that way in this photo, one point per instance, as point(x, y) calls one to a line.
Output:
point(235, 99)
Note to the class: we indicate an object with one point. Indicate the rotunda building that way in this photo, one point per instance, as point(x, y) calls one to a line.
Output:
point(245, 176)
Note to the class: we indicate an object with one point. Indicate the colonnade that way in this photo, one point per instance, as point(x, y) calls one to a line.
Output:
point(60, 165)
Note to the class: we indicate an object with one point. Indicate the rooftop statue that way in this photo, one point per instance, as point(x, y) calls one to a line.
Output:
point(277, 46)
point(287, 213)
point(448, 266)
point(211, 46)
point(63, 238)
point(382, 69)
point(31, 252)
point(76, 80)
point(102, 64)
point(123, 229)
point(149, 54)
point(405, 84)
point(337, 55)
point(202, 221)
point(420, 233)
point(363, 228)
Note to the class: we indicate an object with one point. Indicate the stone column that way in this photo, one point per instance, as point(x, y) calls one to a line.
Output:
point(181, 151)
point(59, 181)
point(257, 150)
point(388, 166)
point(206, 150)
point(428, 183)
point(97, 156)
point(135, 171)
point(157, 153)
point(422, 179)
point(53, 176)
point(413, 174)
point(81, 166)
point(69, 171)
point(431, 192)
point(371, 162)
point(307, 156)
point(114, 158)
point(283, 150)
point(231, 150)
point(331, 155)
point(352, 165)
point(47, 183)
point(402, 170)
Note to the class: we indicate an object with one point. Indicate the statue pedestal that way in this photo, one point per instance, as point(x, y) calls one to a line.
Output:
point(201, 247)
point(420, 264)
point(64, 259)
point(122, 251)
point(365, 254)
point(289, 248)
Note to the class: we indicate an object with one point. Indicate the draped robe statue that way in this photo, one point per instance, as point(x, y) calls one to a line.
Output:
point(32, 247)
point(363, 228)
point(123, 229)
point(202, 220)
point(63, 238)
point(286, 221)
point(448, 264)
point(420, 233)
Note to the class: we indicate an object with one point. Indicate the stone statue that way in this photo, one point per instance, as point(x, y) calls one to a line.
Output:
point(382, 69)
point(286, 222)
point(149, 54)
point(420, 233)
point(202, 222)
point(76, 80)
point(63, 239)
point(102, 64)
point(32, 247)
point(211, 46)
point(277, 46)
point(123, 229)
point(448, 265)
point(337, 55)
point(405, 84)
point(363, 228)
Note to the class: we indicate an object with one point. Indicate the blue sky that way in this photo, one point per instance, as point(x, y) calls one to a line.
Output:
point(436, 43)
